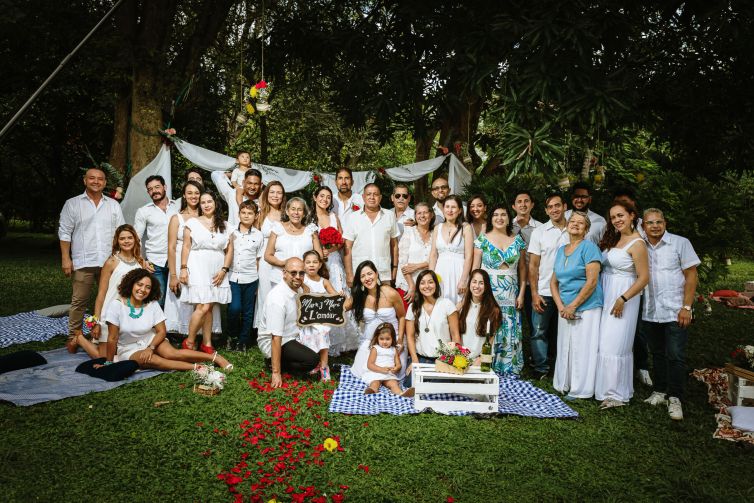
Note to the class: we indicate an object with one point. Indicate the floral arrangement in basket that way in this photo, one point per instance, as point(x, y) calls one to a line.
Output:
point(743, 355)
point(453, 358)
point(208, 381)
point(330, 237)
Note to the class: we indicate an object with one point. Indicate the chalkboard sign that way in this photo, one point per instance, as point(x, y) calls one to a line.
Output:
point(320, 309)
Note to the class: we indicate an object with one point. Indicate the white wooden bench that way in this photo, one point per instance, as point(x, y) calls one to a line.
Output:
point(482, 387)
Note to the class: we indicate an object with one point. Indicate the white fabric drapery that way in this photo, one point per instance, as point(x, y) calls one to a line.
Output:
point(292, 179)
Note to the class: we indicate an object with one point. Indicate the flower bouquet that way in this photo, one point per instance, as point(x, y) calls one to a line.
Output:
point(743, 356)
point(208, 381)
point(330, 237)
point(453, 358)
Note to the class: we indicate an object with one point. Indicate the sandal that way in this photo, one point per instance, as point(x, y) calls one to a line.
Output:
point(228, 368)
point(186, 344)
point(325, 371)
point(207, 349)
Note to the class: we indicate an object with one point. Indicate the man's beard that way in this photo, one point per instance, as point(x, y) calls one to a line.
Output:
point(344, 190)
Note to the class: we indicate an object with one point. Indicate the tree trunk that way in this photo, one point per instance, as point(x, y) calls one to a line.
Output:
point(118, 149)
point(423, 150)
point(146, 119)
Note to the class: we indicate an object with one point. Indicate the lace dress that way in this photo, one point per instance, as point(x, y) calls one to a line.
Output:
point(449, 266)
point(508, 356)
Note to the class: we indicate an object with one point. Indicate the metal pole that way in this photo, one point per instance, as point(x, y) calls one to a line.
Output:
point(57, 70)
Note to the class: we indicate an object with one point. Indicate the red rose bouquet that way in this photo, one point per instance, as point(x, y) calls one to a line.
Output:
point(330, 237)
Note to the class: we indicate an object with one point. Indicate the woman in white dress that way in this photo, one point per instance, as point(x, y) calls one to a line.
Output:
point(413, 251)
point(205, 261)
point(136, 329)
point(126, 257)
point(430, 319)
point(345, 338)
point(177, 313)
point(625, 274)
point(476, 214)
point(479, 316)
point(291, 237)
point(373, 303)
point(577, 294)
point(271, 203)
point(452, 251)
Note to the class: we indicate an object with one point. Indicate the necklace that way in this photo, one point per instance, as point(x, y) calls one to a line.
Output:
point(426, 320)
point(133, 313)
point(127, 262)
point(474, 305)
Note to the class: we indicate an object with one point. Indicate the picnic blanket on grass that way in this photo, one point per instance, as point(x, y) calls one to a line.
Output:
point(57, 379)
point(517, 397)
point(31, 327)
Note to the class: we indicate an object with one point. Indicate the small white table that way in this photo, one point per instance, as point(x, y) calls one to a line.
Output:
point(482, 387)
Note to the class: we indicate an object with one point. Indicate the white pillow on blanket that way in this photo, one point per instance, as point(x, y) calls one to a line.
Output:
point(55, 311)
point(742, 418)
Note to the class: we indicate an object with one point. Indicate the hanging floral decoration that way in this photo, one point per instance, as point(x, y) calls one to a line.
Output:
point(262, 92)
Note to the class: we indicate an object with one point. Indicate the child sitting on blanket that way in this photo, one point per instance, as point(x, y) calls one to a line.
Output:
point(317, 337)
point(384, 362)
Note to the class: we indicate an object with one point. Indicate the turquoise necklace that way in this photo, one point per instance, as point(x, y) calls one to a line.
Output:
point(133, 313)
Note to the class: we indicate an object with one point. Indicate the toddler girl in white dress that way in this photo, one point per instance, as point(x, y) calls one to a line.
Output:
point(384, 361)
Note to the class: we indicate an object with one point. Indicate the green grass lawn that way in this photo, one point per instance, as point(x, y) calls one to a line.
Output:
point(119, 446)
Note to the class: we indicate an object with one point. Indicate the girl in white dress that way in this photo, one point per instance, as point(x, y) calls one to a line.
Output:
point(345, 338)
point(290, 238)
point(126, 257)
point(625, 273)
point(452, 251)
point(374, 303)
point(383, 363)
point(205, 261)
point(136, 329)
point(271, 203)
point(317, 337)
point(413, 251)
point(177, 313)
point(479, 316)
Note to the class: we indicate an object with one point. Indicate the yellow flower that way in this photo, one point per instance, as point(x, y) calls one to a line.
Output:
point(249, 108)
point(330, 444)
point(273, 500)
point(460, 362)
point(253, 92)
point(439, 278)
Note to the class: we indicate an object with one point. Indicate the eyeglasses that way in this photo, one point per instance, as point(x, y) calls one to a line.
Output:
point(401, 196)
point(300, 274)
point(581, 196)
point(440, 187)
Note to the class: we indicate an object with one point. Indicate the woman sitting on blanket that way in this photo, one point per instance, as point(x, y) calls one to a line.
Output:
point(136, 329)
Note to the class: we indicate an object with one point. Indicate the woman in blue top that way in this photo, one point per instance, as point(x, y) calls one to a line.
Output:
point(578, 295)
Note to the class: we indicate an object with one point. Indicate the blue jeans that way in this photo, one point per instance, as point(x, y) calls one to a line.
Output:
point(241, 310)
point(667, 343)
point(161, 273)
point(541, 323)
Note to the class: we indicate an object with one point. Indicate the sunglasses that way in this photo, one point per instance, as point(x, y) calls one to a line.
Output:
point(440, 187)
point(300, 274)
point(401, 196)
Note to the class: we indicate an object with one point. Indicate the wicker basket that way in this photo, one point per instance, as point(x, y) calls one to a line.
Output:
point(448, 369)
point(206, 390)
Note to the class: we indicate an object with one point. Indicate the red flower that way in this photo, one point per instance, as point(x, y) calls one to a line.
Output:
point(330, 236)
point(381, 171)
point(261, 84)
point(450, 499)
point(364, 467)
point(337, 497)
point(355, 207)
point(317, 178)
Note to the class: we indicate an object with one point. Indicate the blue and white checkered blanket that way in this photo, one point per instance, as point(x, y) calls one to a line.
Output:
point(516, 397)
point(28, 327)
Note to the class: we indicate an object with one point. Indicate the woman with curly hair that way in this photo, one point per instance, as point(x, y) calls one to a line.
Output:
point(136, 329)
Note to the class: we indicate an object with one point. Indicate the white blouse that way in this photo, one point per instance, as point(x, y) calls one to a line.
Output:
point(437, 323)
point(411, 250)
point(290, 245)
point(470, 339)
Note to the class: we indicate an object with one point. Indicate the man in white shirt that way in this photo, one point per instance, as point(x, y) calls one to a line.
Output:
point(278, 329)
point(87, 225)
point(667, 310)
point(346, 202)
point(151, 224)
point(233, 197)
point(581, 198)
point(525, 224)
point(545, 241)
point(371, 234)
point(404, 214)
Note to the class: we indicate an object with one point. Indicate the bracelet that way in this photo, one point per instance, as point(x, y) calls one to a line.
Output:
point(184, 266)
point(107, 363)
point(624, 298)
point(226, 269)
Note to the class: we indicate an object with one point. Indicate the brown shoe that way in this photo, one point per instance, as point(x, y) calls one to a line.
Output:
point(409, 392)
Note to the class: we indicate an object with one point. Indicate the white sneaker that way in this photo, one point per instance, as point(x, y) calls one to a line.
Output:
point(644, 377)
point(674, 409)
point(656, 398)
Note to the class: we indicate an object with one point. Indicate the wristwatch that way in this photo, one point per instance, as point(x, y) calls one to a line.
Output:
point(687, 308)
point(226, 269)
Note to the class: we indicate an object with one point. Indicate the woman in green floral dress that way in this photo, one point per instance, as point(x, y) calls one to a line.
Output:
point(498, 251)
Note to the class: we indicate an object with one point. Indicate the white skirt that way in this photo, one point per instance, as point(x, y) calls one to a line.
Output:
point(576, 365)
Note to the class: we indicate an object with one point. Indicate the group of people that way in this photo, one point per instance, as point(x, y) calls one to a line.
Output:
point(412, 277)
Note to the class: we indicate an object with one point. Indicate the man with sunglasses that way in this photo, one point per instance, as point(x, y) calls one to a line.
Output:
point(278, 330)
point(440, 192)
point(404, 214)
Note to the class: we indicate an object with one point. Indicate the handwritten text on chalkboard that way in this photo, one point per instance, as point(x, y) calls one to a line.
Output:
point(322, 309)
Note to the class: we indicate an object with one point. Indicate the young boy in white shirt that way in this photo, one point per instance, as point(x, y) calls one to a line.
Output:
point(244, 278)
